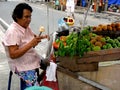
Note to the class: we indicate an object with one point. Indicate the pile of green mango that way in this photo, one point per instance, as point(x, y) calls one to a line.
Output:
point(112, 43)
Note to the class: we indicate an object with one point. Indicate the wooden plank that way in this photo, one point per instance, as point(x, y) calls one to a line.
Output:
point(70, 63)
point(102, 52)
point(89, 62)
point(100, 56)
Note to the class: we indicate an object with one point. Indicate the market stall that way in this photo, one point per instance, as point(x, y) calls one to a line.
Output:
point(88, 58)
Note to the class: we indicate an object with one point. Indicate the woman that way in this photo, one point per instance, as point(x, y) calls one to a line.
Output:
point(19, 42)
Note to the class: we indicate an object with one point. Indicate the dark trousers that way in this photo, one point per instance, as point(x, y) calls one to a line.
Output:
point(23, 85)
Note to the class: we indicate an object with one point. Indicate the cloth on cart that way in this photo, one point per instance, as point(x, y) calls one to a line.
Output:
point(51, 72)
point(52, 84)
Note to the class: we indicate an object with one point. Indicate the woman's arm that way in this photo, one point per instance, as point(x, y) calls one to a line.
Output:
point(16, 52)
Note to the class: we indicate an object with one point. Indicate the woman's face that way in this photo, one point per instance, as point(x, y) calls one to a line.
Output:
point(26, 19)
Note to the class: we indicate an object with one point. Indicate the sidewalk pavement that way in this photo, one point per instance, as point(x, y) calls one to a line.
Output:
point(111, 16)
point(4, 68)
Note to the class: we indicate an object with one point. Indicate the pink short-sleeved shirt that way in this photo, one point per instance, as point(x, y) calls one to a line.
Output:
point(21, 36)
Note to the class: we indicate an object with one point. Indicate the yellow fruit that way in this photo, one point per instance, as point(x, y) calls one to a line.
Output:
point(98, 44)
point(93, 41)
point(63, 38)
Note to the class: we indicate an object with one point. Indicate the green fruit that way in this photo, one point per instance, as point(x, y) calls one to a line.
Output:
point(94, 35)
point(104, 46)
point(109, 46)
point(114, 45)
point(118, 38)
point(85, 32)
point(111, 41)
point(86, 37)
point(57, 40)
point(116, 41)
point(103, 39)
point(107, 38)
point(88, 49)
point(119, 45)
point(96, 48)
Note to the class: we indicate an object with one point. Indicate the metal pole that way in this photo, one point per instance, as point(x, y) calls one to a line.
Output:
point(47, 18)
point(4, 24)
point(95, 84)
point(85, 15)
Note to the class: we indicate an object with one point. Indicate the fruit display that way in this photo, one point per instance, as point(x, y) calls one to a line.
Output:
point(112, 30)
point(88, 39)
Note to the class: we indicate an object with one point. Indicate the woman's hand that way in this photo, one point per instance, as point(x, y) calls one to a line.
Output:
point(45, 36)
point(36, 40)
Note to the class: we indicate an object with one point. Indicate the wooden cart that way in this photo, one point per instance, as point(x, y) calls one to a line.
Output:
point(75, 73)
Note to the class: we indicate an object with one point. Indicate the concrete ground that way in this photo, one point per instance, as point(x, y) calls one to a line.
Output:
point(4, 68)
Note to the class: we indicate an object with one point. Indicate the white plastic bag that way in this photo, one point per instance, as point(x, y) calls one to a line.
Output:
point(45, 47)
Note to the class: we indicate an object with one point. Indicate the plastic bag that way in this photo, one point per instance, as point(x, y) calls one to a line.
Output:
point(62, 25)
point(45, 46)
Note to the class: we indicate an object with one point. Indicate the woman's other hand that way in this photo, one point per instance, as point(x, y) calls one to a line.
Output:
point(45, 36)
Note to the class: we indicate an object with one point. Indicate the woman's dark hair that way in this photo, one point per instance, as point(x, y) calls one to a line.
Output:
point(18, 11)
